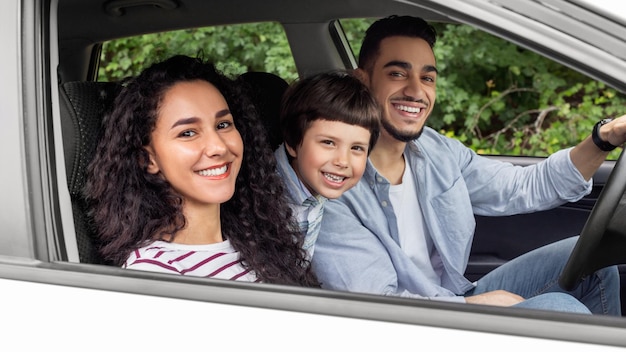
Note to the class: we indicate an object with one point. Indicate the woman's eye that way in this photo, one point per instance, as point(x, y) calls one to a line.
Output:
point(224, 124)
point(187, 133)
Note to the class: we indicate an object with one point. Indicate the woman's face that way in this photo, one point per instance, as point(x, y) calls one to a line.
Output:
point(195, 145)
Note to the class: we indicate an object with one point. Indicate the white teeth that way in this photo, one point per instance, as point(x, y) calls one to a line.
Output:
point(214, 172)
point(334, 178)
point(410, 109)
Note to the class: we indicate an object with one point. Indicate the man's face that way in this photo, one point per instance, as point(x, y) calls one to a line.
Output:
point(402, 80)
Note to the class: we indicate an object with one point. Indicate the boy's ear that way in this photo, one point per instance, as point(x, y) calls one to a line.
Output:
point(153, 167)
point(291, 151)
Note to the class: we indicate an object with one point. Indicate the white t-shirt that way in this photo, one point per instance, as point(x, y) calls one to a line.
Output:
point(414, 238)
point(217, 260)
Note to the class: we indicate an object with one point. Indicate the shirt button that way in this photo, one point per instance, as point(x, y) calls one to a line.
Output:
point(379, 179)
point(384, 203)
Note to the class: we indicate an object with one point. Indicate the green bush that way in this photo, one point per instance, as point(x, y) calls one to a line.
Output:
point(234, 49)
point(501, 99)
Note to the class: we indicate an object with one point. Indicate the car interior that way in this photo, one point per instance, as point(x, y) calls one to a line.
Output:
point(317, 45)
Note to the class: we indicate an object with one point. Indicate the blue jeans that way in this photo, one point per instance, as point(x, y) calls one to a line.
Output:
point(535, 277)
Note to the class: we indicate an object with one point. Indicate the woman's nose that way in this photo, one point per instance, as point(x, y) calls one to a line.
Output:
point(214, 145)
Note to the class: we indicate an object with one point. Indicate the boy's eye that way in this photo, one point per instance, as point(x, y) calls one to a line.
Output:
point(358, 148)
point(327, 142)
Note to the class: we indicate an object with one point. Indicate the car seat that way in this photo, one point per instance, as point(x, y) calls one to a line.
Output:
point(83, 106)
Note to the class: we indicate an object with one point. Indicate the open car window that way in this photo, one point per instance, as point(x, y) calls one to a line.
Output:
point(501, 99)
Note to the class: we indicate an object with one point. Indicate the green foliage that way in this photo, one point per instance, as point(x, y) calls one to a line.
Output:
point(492, 95)
point(234, 49)
point(501, 99)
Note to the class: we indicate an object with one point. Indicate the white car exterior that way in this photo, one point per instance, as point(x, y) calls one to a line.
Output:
point(59, 305)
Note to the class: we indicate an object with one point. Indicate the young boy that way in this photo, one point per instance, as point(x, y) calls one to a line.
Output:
point(329, 122)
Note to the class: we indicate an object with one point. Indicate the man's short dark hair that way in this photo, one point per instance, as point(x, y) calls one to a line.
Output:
point(393, 26)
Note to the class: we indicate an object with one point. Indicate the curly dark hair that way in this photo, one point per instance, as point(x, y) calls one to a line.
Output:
point(131, 207)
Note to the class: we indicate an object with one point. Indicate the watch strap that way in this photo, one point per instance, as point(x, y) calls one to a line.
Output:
point(595, 136)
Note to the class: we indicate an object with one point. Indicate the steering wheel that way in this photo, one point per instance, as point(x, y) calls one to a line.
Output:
point(602, 242)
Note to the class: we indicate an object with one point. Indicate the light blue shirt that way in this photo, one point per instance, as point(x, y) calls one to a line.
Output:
point(306, 208)
point(358, 247)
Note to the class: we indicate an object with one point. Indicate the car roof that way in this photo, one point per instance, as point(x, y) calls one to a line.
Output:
point(96, 20)
point(581, 34)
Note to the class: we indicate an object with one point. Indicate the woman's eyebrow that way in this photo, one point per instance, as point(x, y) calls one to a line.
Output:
point(222, 113)
point(186, 121)
point(194, 119)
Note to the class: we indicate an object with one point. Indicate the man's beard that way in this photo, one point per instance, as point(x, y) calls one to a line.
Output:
point(400, 135)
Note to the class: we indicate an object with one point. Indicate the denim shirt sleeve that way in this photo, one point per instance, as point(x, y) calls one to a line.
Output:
point(500, 188)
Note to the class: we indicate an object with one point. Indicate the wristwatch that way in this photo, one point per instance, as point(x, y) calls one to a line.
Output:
point(595, 136)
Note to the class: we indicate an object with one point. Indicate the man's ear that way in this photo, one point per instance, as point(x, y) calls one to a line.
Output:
point(291, 151)
point(153, 167)
point(361, 75)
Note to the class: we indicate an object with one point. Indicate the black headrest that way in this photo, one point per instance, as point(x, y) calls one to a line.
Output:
point(83, 106)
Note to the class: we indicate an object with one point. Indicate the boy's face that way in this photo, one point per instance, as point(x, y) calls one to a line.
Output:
point(331, 158)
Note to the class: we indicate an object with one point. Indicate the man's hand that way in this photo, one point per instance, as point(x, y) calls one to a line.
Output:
point(587, 157)
point(614, 132)
point(495, 298)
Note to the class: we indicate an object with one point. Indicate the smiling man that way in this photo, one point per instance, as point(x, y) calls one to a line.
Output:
point(406, 229)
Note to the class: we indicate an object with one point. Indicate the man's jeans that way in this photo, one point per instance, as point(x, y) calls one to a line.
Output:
point(535, 277)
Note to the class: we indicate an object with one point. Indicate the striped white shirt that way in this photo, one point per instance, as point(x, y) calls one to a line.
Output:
point(217, 260)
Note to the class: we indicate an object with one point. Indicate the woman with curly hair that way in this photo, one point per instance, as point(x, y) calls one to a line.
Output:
point(172, 190)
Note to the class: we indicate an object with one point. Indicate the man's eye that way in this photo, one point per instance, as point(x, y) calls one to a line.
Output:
point(396, 74)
